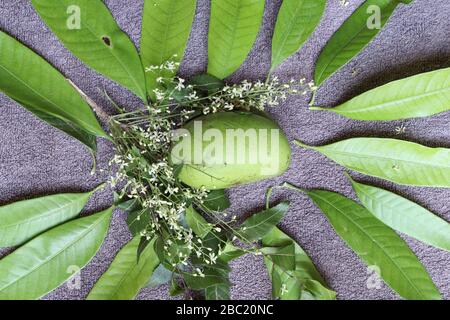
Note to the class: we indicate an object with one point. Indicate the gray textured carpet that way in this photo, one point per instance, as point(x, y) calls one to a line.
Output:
point(36, 159)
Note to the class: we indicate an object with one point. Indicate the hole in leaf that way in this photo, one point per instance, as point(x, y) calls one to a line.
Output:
point(107, 41)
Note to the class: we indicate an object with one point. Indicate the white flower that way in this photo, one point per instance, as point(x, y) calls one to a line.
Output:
point(180, 85)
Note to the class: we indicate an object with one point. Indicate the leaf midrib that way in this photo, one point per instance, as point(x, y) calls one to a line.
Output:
point(50, 212)
point(48, 100)
point(56, 254)
point(373, 241)
point(125, 276)
point(286, 34)
point(361, 156)
point(392, 102)
point(391, 208)
point(263, 221)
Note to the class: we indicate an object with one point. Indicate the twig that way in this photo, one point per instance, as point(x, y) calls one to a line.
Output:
point(101, 113)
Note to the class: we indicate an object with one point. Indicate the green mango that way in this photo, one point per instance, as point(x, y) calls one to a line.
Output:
point(225, 149)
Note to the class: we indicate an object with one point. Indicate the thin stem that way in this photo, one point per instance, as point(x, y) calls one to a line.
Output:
point(301, 144)
point(313, 98)
point(101, 113)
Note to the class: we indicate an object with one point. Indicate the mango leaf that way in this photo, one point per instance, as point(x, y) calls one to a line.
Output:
point(23, 220)
point(260, 224)
point(404, 215)
point(398, 161)
point(166, 25)
point(197, 223)
point(296, 20)
point(42, 264)
point(293, 274)
point(41, 89)
point(90, 32)
point(234, 25)
point(353, 36)
point(126, 277)
point(422, 95)
point(217, 200)
point(377, 245)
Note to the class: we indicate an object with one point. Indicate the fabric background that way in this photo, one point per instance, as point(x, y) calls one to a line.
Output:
point(36, 159)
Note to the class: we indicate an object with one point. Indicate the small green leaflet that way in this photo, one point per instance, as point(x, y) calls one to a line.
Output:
point(377, 245)
point(23, 220)
point(213, 275)
point(233, 27)
point(293, 274)
point(207, 84)
point(160, 276)
point(218, 292)
point(296, 20)
point(137, 220)
point(42, 264)
point(197, 223)
point(41, 89)
point(125, 276)
point(89, 31)
point(353, 36)
point(421, 95)
point(230, 252)
point(259, 224)
point(404, 215)
point(217, 200)
point(175, 288)
point(166, 25)
point(398, 161)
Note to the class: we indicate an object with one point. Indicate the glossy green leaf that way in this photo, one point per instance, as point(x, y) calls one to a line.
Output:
point(234, 25)
point(33, 82)
point(422, 95)
point(197, 223)
point(166, 25)
point(126, 277)
point(404, 215)
point(398, 161)
point(23, 220)
point(89, 31)
point(217, 200)
point(293, 274)
point(377, 245)
point(353, 36)
point(296, 21)
point(260, 224)
point(43, 264)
